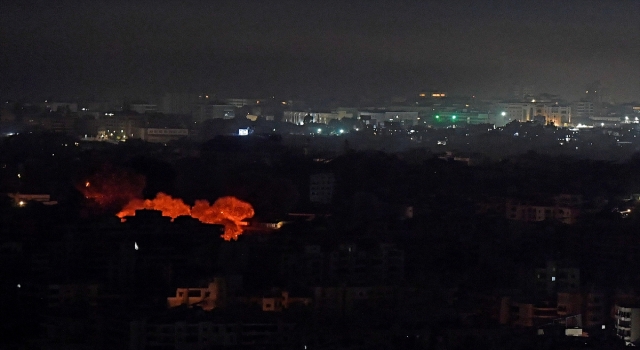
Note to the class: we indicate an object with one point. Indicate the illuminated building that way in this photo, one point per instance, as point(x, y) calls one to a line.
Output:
point(117, 127)
point(627, 322)
point(405, 118)
point(447, 118)
point(301, 118)
point(206, 298)
point(523, 112)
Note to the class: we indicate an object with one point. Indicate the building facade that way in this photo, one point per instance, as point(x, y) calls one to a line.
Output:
point(321, 188)
point(627, 322)
point(159, 135)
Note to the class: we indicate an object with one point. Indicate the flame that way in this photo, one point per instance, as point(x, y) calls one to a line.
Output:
point(227, 211)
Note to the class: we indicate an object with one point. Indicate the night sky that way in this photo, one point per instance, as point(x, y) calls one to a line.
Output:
point(305, 49)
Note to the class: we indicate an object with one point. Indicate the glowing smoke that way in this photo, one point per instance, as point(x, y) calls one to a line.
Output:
point(227, 211)
point(112, 188)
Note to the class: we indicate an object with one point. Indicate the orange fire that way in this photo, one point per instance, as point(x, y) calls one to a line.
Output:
point(227, 211)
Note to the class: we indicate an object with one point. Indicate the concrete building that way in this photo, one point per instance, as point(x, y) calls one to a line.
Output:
point(321, 188)
point(554, 278)
point(532, 212)
point(178, 103)
point(61, 106)
point(301, 118)
point(210, 332)
point(117, 127)
point(627, 322)
point(67, 294)
point(546, 113)
point(144, 108)
point(206, 111)
point(595, 309)
point(207, 298)
point(583, 109)
point(405, 118)
point(22, 200)
point(59, 123)
point(371, 119)
point(241, 102)
point(279, 301)
point(159, 135)
point(447, 118)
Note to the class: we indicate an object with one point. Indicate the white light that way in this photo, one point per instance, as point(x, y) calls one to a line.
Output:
point(503, 113)
point(603, 326)
point(19, 286)
point(553, 279)
point(135, 245)
point(341, 131)
point(319, 131)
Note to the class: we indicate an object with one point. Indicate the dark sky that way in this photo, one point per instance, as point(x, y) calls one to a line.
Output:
point(322, 48)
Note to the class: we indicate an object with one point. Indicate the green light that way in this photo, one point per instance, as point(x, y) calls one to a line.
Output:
point(453, 117)
point(437, 117)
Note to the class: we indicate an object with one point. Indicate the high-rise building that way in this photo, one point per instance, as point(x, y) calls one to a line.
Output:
point(627, 322)
point(178, 103)
point(583, 109)
point(205, 111)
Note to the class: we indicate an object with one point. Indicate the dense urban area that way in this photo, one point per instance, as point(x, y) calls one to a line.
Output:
point(430, 221)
